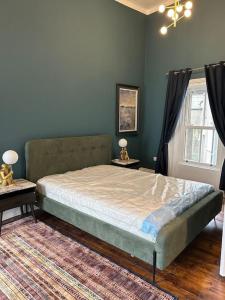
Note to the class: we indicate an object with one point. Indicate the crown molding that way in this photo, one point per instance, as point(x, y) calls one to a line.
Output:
point(142, 10)
point(133, 6)
point(156, 7)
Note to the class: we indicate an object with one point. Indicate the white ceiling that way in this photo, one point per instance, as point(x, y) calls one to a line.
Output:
point(144, 6)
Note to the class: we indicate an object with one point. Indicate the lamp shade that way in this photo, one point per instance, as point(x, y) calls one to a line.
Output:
point(122, 143)
point(10, 157)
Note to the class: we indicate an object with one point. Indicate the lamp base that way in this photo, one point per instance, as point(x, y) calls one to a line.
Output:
point(124, 154)
point(6, 175)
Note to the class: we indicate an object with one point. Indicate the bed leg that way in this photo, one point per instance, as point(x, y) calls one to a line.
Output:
point(154, 267)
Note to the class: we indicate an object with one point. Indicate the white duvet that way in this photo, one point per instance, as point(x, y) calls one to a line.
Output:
point(119, 196)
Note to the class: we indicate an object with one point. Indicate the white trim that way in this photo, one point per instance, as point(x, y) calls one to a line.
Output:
point(133, 6)
point(199, 165)
point(141, 9)
point(222, 259)
point(156, 7)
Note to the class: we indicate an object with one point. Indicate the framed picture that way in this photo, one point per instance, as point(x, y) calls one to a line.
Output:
point(127, 109)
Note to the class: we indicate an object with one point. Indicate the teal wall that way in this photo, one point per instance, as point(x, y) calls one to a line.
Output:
point(61, 59)
point(60, 62)
point(193, 43)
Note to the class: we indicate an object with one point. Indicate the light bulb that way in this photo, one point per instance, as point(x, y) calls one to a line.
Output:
point(170, 13)
point(162, 8)
point(187, 13)
point(122, 143)
point(163, 30)
point(188, 5)
point(179, 8)
point(175, 17)
point(10, 157)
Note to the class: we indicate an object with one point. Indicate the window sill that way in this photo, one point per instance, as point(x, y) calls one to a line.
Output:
point(200, 166)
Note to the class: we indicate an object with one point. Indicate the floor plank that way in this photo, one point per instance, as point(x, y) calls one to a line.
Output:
point(193, 275)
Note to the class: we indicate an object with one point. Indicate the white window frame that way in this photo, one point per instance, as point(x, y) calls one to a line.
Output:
point(199, 86)
point(179, 168)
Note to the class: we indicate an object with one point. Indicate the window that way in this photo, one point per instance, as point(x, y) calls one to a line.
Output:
point(201, 138)
point(195, 151)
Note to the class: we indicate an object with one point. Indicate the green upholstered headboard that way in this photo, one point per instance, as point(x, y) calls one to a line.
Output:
point(54, 156)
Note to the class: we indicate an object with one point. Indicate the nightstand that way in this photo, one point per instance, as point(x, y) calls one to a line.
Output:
point(22, 192)
point(131, 163)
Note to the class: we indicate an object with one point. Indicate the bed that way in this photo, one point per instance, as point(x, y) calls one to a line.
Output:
point(87, 161)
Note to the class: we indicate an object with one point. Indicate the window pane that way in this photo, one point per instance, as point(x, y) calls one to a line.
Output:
point(209, 147)
point(208, 114)
point(197, 108)
point(215, 148)
point(193, 140)
point(206, 148)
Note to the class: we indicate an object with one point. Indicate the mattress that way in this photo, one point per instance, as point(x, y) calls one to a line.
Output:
point(119, 196)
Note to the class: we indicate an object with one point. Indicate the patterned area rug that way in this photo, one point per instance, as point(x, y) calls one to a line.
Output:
point(38, 262)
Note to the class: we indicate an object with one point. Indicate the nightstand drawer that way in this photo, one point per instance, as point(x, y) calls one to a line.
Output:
point(17, 200)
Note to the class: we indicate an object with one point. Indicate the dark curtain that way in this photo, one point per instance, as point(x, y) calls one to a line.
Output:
point(215, 79)
point(176, 90)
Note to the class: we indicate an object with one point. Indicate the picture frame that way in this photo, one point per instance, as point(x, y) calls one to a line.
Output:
point(127, 109)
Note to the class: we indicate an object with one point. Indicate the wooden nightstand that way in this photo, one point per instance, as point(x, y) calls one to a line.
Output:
point(131, 163)
point(22, 192)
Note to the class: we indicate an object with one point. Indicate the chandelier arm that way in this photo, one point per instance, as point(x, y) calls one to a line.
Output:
point(175, 23)
point(180, 18)
point(170, 6)
point(172, 24)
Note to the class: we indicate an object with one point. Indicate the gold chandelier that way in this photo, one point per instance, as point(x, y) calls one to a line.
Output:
point(175, 12)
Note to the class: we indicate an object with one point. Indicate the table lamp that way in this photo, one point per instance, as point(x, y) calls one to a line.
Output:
point(9, 158)
point(123, 153)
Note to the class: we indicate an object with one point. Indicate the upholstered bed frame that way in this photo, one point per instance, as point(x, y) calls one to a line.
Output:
point(52, 156)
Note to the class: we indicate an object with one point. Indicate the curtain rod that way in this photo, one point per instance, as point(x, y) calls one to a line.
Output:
point(198, 70)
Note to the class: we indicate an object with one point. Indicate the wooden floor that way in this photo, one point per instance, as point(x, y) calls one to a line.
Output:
point(193, 275)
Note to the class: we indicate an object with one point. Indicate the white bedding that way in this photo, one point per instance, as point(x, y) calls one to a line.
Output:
point(119, 196)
